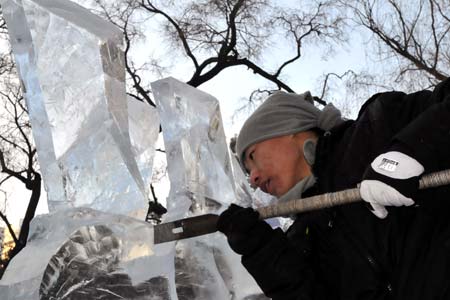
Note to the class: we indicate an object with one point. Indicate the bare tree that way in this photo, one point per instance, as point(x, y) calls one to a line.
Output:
point(412, 39)
point(215, 35)
point(350, 89)
point(17, 151)
point(18, 157)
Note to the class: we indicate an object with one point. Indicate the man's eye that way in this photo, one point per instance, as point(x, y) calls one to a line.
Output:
point(251, 155)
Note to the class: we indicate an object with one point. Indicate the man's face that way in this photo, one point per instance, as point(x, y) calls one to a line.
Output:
point(277, 164)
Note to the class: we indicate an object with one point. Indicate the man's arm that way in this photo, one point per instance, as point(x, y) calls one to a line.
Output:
point(422, 146)
point(427, 137)
point(282, 272)
point(279, 268)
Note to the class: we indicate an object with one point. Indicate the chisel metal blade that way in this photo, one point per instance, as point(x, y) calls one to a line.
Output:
point(185, 228)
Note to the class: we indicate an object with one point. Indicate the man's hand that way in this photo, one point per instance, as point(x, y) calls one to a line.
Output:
point(391, 180)
point(244, 230)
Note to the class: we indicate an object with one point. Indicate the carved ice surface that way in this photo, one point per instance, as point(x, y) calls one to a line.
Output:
point(201, 179)
point(89, 255)
point(72, 68)
point(198, 162)
point(144, 122)
point(93, 152)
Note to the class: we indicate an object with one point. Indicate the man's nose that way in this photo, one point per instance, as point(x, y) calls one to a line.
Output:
point(254, 178)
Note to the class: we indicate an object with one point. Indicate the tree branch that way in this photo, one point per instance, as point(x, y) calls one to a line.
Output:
point(9, 226)
point(147, 5)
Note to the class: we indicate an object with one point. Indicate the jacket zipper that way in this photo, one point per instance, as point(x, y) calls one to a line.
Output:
point(375, 265)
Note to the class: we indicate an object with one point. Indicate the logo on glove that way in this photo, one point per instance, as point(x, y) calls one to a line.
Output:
point(388, 165)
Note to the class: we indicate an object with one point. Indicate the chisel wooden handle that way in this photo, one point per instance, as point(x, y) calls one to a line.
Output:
point(339, 198)
point(204, 224)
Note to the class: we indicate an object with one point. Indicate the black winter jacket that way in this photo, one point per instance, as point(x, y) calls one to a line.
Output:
point(348, 253)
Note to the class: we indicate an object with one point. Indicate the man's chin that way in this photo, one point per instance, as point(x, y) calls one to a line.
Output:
point(271, 192)
point(277, 193)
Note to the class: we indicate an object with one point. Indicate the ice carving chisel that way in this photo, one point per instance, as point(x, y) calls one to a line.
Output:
point(204, 224)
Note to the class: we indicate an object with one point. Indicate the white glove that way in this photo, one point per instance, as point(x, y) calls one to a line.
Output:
point(391, 180)
point(379, 195)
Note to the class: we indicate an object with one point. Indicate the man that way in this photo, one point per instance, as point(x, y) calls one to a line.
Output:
point(395, 245)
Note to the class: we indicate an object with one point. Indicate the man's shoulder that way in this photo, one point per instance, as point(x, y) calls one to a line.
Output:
point(378, 100)
point(393, 102)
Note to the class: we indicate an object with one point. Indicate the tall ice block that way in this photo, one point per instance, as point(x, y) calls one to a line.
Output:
point(71, 65)
point(201, 181)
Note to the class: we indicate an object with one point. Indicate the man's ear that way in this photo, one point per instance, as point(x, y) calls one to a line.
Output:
point(309, 151)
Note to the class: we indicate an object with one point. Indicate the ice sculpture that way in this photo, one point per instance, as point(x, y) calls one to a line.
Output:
point(201, 179)
point(72, 68)
point(89, 255)
point(95, 157)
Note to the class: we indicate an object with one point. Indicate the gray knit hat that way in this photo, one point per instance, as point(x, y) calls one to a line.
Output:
point(283, 114)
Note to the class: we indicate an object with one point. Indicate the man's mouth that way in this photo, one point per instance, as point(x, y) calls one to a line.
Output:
point(265, 187)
